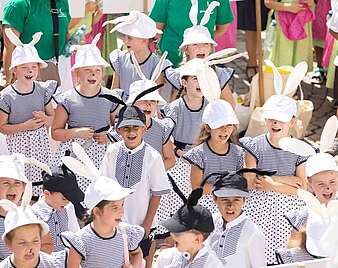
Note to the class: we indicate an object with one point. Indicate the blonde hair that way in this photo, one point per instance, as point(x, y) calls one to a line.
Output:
point(205, 135)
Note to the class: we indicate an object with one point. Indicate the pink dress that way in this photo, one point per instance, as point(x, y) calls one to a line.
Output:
point(319, 27)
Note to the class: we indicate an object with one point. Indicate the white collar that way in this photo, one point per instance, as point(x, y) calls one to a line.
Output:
point(231, 224)
point(45, 211)
point(135, 150)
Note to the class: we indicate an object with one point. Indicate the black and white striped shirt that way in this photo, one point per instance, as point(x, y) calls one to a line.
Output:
point(4, 251)
point(293, 255)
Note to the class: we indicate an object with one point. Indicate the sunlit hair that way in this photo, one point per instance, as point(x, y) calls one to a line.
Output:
point(205, 135)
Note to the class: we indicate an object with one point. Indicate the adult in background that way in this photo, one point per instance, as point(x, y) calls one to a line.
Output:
point(26, 17)
point(172, 17)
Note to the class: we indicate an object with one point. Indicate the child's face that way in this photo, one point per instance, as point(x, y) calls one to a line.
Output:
point(132, 135)
point(278, 129)
point(111, 214)
point(192, 87)
point(90, 77)
point(197, 51)
point(148, 107)
point(55, 200)
point(134, 43)
point(229, 207)
point(186, 241)
point(324, 185)
point(221, 134)
point(11, 189)
point(26, 243)
point(27, 72)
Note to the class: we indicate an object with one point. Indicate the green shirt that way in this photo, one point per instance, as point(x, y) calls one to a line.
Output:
point(31, 16)
point(174, 14)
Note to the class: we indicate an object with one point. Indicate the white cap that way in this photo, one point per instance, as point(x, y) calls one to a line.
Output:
point(219, 113)
point(136, 24)
point(279, 107)
point(197, 34)
point(141, 85)
point(320, 162)
point(104, 188)
point(88, 55)
point(13, 166)
point(24, 53)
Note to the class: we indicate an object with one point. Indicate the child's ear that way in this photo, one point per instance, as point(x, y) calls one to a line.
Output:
point(8, 244)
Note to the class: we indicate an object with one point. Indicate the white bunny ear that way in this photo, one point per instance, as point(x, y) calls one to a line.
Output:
point(137, 66)
point(311, 201)
point(208, 12)
point(121, 21)
point(297, 75)
point(332, 208)
point(208, 83)
point(77, 167)
point(296, 146)
point(159, 67)
point(193, 12)
point(227, 59)
point(277, 78)
point(36, 39)
point(220, 54)
point(39, 164)
point(27, 195)
point(82, 155)
point(328, 134)
point(8, 205)
point(96, 39)
point(13, 38)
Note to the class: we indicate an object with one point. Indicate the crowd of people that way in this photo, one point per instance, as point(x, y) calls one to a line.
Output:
point(145, 167)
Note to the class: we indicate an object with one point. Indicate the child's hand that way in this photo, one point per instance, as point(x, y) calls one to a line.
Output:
point(33, 124)
point(294, 7)
point(42, 116)
point(84, 133)
point(264, 183)
point(101, 138)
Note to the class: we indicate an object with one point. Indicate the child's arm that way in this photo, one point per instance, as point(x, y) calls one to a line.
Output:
point(136, 257)
point(116, 81)
point(298, 181)
point(250, 162)
point(47, 244)
point(168, 155)
point(289, 7)
point(74, 259)
point(152, 208)
point(196, 175)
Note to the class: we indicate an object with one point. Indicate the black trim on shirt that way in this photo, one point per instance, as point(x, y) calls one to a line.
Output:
point(64, 107)
point(52, 97)
point(140, 63)
point(193, 111)
point(23, 94)
point(272, 146)
point(192, 162)
point(216, 152)
point(4, 111)
point(103, 238)
point(72, 246)
point(248, 150)
point(88, 97)
point(171, 132)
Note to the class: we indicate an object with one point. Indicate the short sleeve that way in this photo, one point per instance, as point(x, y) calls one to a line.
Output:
point(64, 102)
point(283, 256)
point(195, 157)
point(224, 13)
point(301, 160)
point(15, 13)
point(168, 126)
point(250, 146)
point(50, 88)
point(297, 219)
point(135, 235)
point(159, 11)
point(71, 240)
point(4, 104)
point(173, 77)
point(224, 75)
point(171, 111)
point(115, 60)
point(240, 162)
point(59, 259)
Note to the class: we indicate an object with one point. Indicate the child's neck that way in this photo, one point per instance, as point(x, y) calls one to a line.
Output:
point(217, 147)
point(142, 54)
point(24, 263)
point(274, 140)
point(23, 86)
point(193, 251)
point(103, 230)
point(88, 91)
point(194, 103)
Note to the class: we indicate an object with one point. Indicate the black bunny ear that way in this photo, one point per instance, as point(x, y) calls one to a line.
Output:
point(195, 196)
point(113, 99)
point(145, 92)
point(260, 172)
point(219, 174)
point(177, 190)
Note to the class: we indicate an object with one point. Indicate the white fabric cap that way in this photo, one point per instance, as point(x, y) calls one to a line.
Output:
point(104, 188)
point(88, 55)
point(197, 34)
point(141, 85)
point(279, 107)
point(320, 162)
point(12, 166)
point(219, 113)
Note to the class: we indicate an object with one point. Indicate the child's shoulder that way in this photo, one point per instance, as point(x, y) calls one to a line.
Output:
point(132, 229)
point(55, 260)
point(43, 85)
point(8, 91)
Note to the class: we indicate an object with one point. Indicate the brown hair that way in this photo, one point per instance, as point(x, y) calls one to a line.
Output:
point(204, 135)
point(11, 234)
point(91, 217)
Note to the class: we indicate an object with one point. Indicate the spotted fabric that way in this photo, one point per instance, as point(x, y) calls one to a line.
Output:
point(4, 251)
point(93, 248)
point(293, 255)
point(267, 209)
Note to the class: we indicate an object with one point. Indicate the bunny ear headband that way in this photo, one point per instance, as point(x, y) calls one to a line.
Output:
point(121, 21)
point(15, 40)
point(193, 14)
point(86, 46)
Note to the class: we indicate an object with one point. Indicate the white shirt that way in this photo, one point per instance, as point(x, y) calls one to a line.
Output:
point(172, 258)
point(332, 23)
point(3, 145)
point(240, 245)
point(143, 170)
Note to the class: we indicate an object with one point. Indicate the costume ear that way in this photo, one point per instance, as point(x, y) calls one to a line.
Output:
point(36, 38)
point(8, 205)
point(208, 12)
point(295, 78)
point(82, 155)
point(27, 195)
point(145, 92)
point(96, 39)
point(193, 13)
point(39, 164)
point(195, 196)
point(113, 99)
point(208, 83)
point(159, 67)
point(296, 146)
point(137, 66)
point(227, 59)
point(311, 201)
point(221, 54)
point(121, 21)
point(328, 134)
point(277, 78)
point(13, 38)
point(77, 167)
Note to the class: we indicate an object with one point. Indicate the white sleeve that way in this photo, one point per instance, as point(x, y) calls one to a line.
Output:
point(73, 224)
point(106, 168)
point(164, 258)
point(256, 248)
point(3, 145)
point(159, 182)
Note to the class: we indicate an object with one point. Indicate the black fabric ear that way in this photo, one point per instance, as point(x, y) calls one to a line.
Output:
point(219, 174)
point(195, 196)
point(177, 190)
point(113, 99)
point(260, 172)
point(147, 91)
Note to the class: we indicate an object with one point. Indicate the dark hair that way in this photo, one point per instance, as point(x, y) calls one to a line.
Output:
point(204, 135)
point(90, 217)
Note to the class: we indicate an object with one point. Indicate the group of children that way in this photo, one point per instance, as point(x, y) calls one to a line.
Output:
point(131, 167)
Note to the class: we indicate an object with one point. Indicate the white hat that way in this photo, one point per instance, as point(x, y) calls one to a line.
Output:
point(279, 107)
point(320, 162)
point(24, 53)
point(136, 24)
point(190, 68)
point(88, 55)
point(104, 189)
point(199, 34)
point(219, 113)
point(18, 216)
point(141, 85)
point(13, 166)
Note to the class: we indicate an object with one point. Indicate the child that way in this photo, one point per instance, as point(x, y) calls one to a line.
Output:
point(104, 198)
point(136, 29)
point(55, 207)
point(237, 241)
point(25, 107)
point(190, 226)
point(271, 198)
point(3, 145)
point(23, 235)
point(215, 150)
point(87, 115)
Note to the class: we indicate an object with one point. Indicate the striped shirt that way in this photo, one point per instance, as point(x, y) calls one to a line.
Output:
point(4, 251)
point(293, 255)
point(203, 157)
point(19, 106)
point(102, 252)
point(55, 260)
point(297, 219)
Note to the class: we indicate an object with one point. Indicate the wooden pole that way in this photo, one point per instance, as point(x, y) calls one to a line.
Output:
point(145, 6)
point(260, 51)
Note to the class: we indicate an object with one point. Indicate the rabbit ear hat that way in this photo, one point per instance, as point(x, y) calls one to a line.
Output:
point(24, 53)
